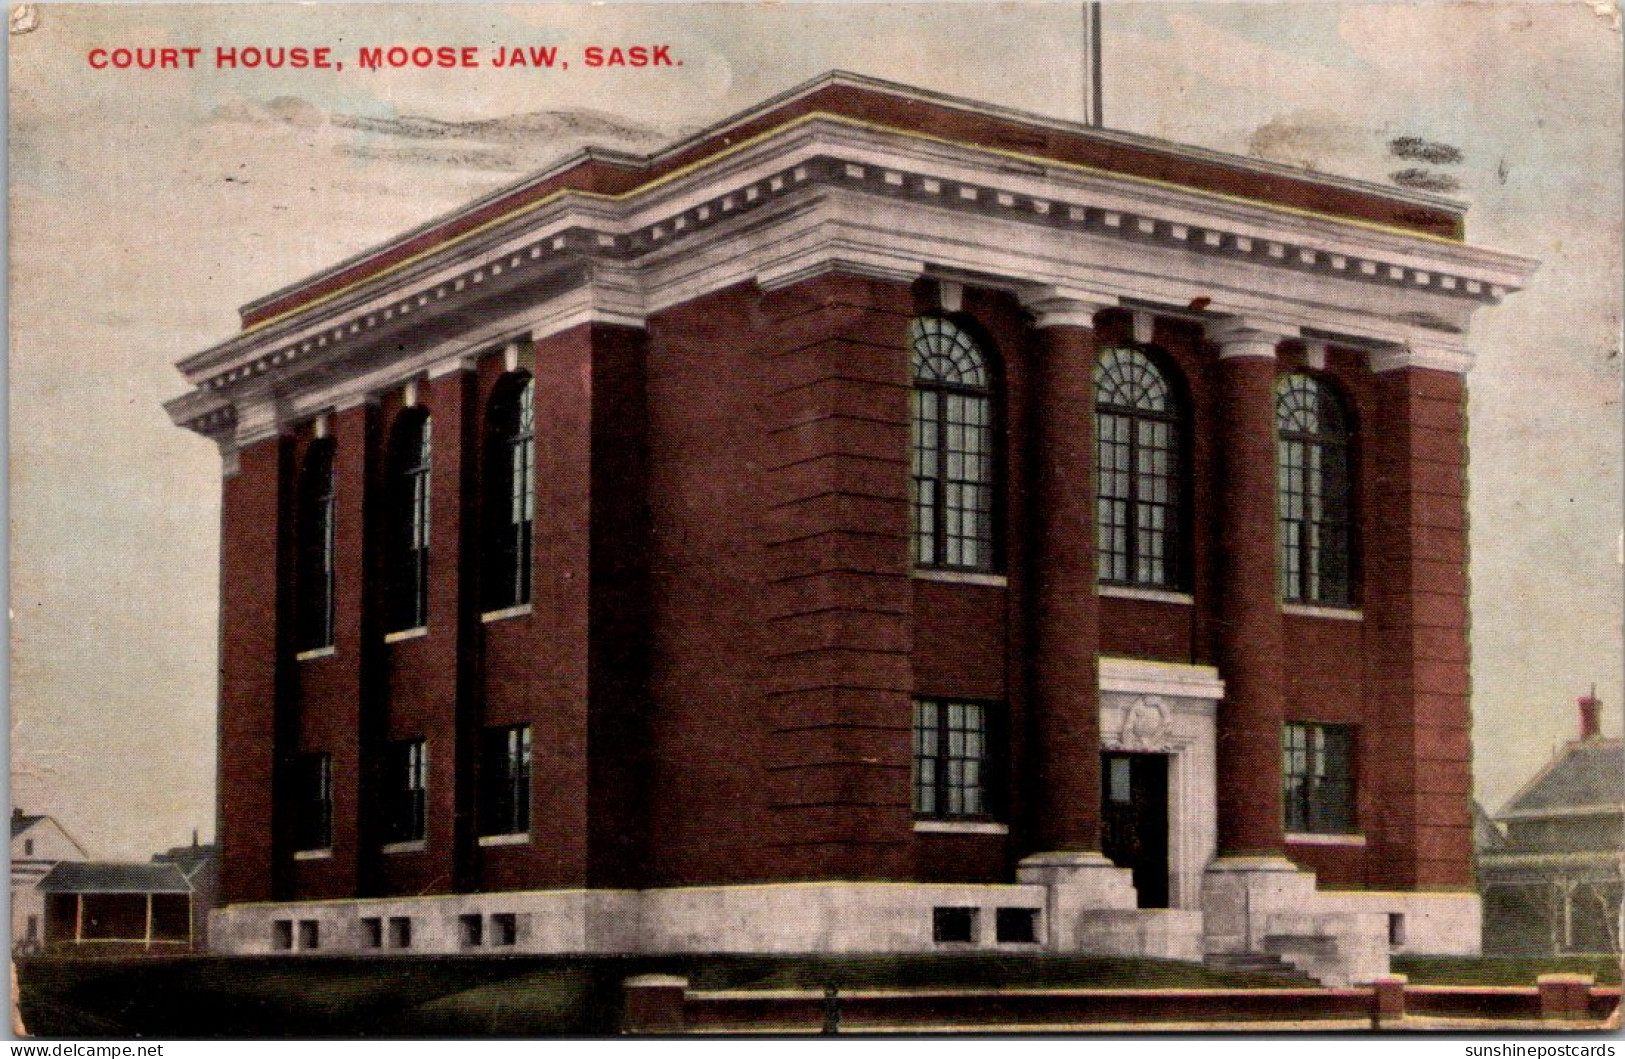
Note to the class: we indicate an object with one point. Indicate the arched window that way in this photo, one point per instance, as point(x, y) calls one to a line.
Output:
point(510, 491)
point(1137, 472)
point(315, 570)
point(952, 441)
point(1314, 483)
point(407, 582)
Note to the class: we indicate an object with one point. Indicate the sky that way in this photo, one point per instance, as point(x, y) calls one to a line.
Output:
point(147, 205)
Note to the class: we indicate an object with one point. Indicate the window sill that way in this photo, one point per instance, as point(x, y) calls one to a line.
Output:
point(1304, 838)
point(1307, 610)
point(406, 634)
point(316, 652)
point(416, 845)
point(505, 613)
point(961, 827)
point(962, 577)
point(521, 839)
point(1150, 595)
point(313, 854)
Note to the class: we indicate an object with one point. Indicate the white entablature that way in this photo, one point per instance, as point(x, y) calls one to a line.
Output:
point(826, 193)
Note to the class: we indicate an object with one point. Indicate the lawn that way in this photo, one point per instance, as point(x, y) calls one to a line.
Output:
point(268, 997)
point(1503, 970)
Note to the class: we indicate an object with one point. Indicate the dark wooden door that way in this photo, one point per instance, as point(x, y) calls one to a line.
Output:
point(1134, 821)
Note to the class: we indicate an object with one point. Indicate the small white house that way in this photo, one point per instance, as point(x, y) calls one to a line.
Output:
point(38, 844)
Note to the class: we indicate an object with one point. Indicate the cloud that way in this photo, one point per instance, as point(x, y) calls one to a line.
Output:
point(506, 143)
point(1313, 139)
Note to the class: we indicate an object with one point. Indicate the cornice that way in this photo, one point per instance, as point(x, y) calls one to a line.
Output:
point(834, 195)
point(705, 146)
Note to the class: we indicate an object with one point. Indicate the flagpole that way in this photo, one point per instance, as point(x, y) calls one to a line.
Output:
point(1092, 111)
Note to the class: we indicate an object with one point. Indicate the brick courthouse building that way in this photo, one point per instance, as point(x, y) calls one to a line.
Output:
point(879, 522)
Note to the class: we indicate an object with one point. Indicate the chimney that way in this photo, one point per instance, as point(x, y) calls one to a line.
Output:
point(1590, 721)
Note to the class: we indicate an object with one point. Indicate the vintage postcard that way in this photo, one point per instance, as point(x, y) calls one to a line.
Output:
point(659, 519)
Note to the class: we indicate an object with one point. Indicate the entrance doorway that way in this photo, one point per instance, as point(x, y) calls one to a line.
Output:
point(1134, 821)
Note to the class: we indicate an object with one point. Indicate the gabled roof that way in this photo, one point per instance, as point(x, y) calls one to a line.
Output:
point(1487, 834)
point(1587, 775)
point(102, 878)
point(21, 823)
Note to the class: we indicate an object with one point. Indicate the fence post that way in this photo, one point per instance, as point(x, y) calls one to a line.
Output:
point(1564, 996)
point(1389, 1000)
point(832, 1009)
point(654, 1004)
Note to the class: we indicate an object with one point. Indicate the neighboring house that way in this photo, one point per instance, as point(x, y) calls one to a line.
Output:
point(38, 844)
point(102, 907)
point(1554, 884)
point(881, 521)
point(200, 865)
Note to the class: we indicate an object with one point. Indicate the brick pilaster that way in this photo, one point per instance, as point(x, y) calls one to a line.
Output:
point(1249, 642)
point(1066, 609)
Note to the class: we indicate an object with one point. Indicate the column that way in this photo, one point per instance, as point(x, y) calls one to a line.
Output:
point(1249, 640)
point(1066, 624)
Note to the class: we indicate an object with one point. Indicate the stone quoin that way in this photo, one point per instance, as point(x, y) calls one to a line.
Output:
point(879, 522)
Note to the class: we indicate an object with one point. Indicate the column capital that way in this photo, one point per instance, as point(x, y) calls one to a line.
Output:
point(1440, 356)
point(1242, 336)
point(1064, 307)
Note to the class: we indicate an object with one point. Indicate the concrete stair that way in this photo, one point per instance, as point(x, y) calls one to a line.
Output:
point(1259, 963)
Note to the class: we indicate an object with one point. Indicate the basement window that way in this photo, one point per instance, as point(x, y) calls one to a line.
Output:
point(953, 925)
point(1016, 926)
point(282, 934)
point(400, 932)
point(310, 934)
point(1396, 929)
point(472, 929)
point(372, 933)
point(504, 929)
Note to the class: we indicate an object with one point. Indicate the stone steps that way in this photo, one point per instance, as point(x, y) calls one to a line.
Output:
point(1258, 963)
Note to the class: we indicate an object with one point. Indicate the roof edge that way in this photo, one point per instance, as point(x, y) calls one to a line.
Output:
point(631, 161)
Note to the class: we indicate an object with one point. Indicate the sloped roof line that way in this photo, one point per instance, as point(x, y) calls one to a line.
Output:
point(102, 877)
point(1585, 772)
point(34, 820)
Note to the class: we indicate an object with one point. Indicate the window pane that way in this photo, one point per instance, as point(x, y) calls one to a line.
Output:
point(1137, 446)
point(951, 442)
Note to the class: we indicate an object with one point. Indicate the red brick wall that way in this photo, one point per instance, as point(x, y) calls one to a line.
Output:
point(1417, 608)
point(250, 502)
point(725, 637)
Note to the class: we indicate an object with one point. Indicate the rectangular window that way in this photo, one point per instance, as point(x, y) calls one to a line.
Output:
point(372, 933)
point(400, 932)
point(310, 934)
point(504, 806)
point(282, 934)
point(1017, 926)
point(504, 928)
point(313, 807)
point(952, 764)
point(953, 925)
point(472, 928)
point(1317, 776)
point(408, 763)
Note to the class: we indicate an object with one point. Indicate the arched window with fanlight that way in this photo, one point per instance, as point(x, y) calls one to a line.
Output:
point(315, 577)
point(510, 492)
point(1316, 538)
point(407, 580)
point(1138, 482)
point(952, 445)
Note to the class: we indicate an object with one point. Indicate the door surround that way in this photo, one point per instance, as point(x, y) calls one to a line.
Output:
point(1168, 708)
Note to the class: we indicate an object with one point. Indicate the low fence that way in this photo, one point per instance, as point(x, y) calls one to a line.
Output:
point(657, 1004)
